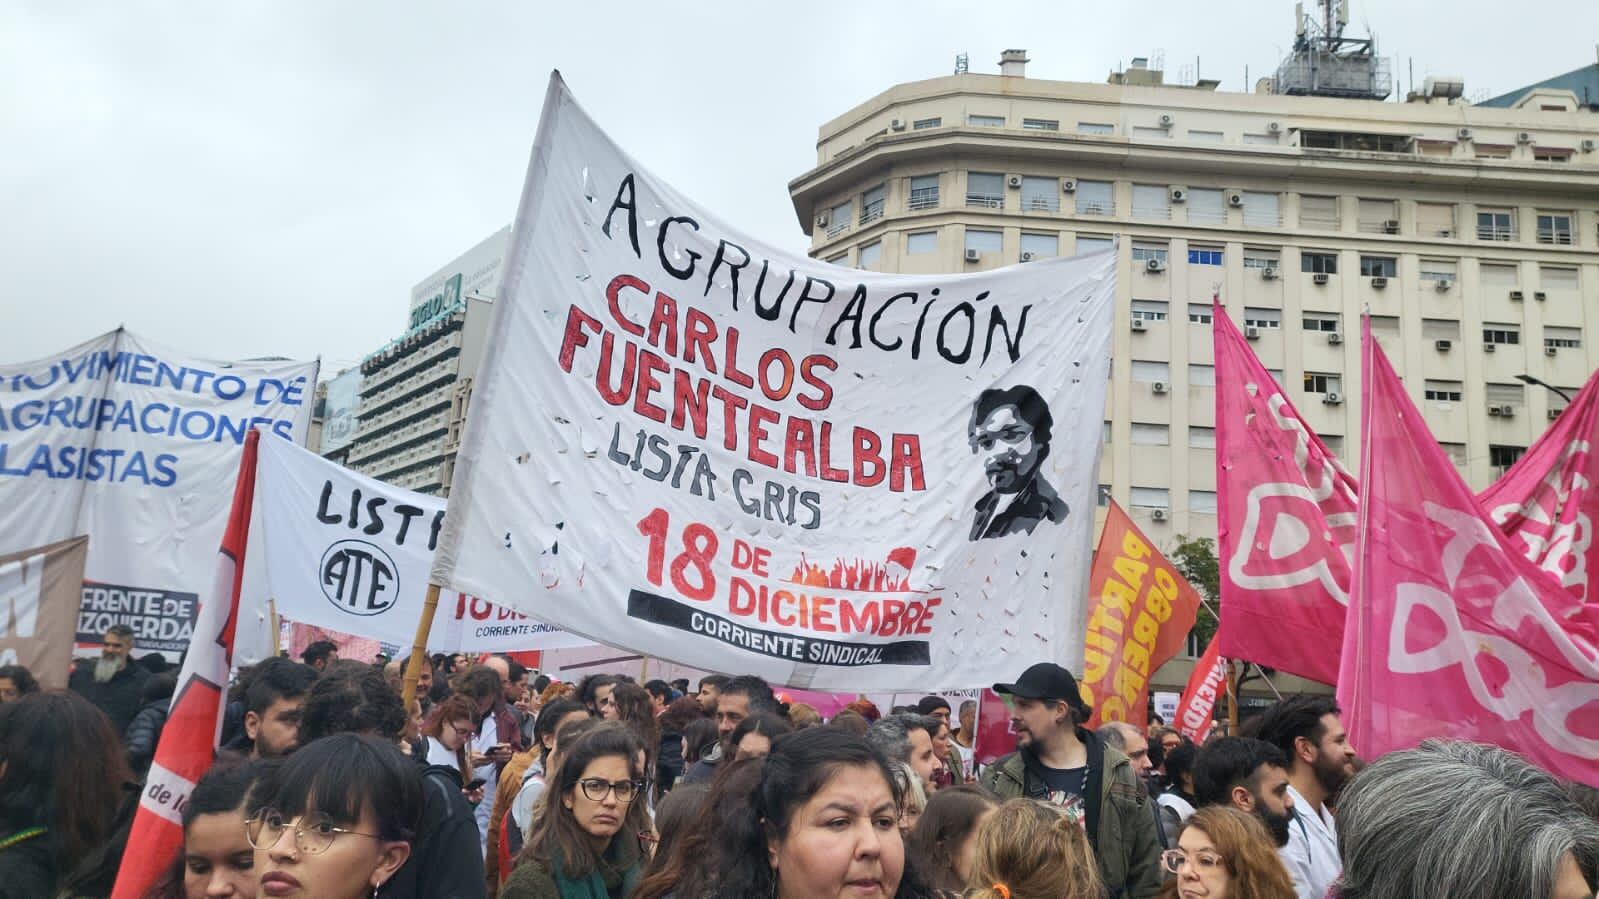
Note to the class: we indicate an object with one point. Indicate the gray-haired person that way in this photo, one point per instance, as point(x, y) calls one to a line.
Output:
point(1465, 821)
point(908, 739)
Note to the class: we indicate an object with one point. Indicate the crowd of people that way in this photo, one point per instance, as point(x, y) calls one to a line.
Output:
point(499, 781)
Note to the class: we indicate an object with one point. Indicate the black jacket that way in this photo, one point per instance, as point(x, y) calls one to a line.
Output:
point(28, 869)
point(446, 857)
point(144, 733)
point(1036, 503)
point(120, 697)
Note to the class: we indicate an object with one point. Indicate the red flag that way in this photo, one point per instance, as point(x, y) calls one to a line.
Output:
point(1140, 612)
point(1194, 710)
point(189, 740)
point(994, 739)
point(1452, 631)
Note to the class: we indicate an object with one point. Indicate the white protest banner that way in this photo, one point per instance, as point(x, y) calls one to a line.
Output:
point(339, 550)
point(135, 445)
point(707, 450)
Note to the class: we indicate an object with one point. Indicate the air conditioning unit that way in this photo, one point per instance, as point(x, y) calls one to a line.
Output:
point(1391, 226)
point(1588, 145)
point(1274, 127)
point(1550, 351)
point(1166, 121)
point(1027, 256)
point(1379, 282)
point(1251, 333)
point(1319, 278)
point(1442, 285)
point(1154, 265)
point(1269, 273)
point(1540, 296)
point(1555, 413)
point(1068, 185)
point(1516, 296)
point(821, 220)
point(1490, 348)
point(1502, 410)
point(1158, 514)
point(973, 256)
point(1334, 339)
point(1332, 398)
point(897, 125)
point(1523, 137)
point(1158, 387)
point(1463, 134)
point(1141, 325)
point(1442, 346)
point(1178, 195)
point(1234, 198)
point(1014, 181)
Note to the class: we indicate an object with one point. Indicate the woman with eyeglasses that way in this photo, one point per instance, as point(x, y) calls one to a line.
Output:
point(585, 841)
point(1223, 853)
point(449, 740)
point(336, 821)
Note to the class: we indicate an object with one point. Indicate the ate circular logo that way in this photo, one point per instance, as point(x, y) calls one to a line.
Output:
point(359, 578)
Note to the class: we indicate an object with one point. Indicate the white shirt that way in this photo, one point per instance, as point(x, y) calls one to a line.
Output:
point(527, 798)
point(487, 736)
point(1311, 855)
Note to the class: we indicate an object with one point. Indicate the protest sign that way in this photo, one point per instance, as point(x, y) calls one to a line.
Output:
point(188, 741)
point(39, 591)
point(133, 444)
point(705, 449)
point(1452, 632)
point(1140, 611)
point(339, 550)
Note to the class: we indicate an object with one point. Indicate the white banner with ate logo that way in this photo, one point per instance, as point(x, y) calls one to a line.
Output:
point(342, 551)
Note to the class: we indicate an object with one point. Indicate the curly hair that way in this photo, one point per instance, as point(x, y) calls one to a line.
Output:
point(1257, 871)
point(1033, 851)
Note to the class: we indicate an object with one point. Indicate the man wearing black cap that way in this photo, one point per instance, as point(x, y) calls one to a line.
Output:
point(1059, 762)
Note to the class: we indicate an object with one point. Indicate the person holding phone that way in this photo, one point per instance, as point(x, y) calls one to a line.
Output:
point(449, 741)
point(587, 840)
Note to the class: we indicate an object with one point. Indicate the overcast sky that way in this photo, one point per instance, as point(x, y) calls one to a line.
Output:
point(272, 177)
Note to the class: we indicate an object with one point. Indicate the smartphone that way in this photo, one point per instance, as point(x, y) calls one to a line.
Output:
point(500, 747)
point(474, 785)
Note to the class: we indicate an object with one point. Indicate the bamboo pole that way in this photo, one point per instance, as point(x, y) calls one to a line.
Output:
point(419, 646)
point(276, 625)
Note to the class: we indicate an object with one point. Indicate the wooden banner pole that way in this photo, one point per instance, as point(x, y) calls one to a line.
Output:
point(277, 626)
point(419, 647)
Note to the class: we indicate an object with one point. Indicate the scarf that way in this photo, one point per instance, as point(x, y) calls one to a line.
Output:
point(617, 860)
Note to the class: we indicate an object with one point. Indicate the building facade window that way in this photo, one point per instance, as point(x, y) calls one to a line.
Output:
point(1205, 256)
point(1205, 137)
point(918, 242)
point(1144, 250)
point(839, 218)
point(1323, 382)
point(1262, 318)
point(1496, 225)
point(1262, 210)
point(1095, 128)
point(1440, 329)
point(869, 255)
point(1438, 270)
point(1095, 198)
point(1201, 437)
point(872, 204)
point(1149, 498)
point(1321, 322)
point(1502, 457)
point(1040, 124)
point(984, 241)
point(1202, 502)
point(1435, 219)
point(924, 192)
point(985, 121)
point(1090, 243)
point(1557, 277)
point(1508, 335)
point(1199, 313)
point(1147, 372)
point(1206, 206)
point(1258, 258)
point(1040, 246)
point(1443, 391)
point(924, 124)
point(1379, 267)
point(1260, 138)
point(1499, 274)
point(1150, 310)
point(1040, 195)
point(1144, 132)
point(1318, 213)
point(1319, 263)
point(985, 190)
point(1377, 216)
point(1151, 201)
point(1201, 375)
point(1151, 434)
point(1561, 337)
point(1554, 228)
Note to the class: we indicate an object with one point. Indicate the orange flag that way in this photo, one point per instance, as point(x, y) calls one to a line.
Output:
point(1139, 613)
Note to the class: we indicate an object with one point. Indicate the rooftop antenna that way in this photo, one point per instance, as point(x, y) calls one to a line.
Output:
point(960, 63)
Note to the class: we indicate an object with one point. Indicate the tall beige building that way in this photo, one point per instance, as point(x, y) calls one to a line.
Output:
point(1470, 233)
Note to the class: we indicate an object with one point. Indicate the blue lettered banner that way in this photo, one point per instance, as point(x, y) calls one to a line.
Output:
point(136, 446)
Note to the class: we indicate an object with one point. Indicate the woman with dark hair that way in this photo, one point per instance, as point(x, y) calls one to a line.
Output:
point(336, 820)
point(698, 738)
point(1223, 853)
point(1178, 802)
point(822, 821)
point(62, 771)
point(752, 738)
point(633, 708)
point(216, 859)
point(585, 838)
point(16, 682)
point(941, 846)
point(678, 854)
point(516, 817)
point(669, 766)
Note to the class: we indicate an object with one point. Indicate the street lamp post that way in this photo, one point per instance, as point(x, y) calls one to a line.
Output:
point(1529, 379)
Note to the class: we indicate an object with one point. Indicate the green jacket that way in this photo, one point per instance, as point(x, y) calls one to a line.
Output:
point(1119, 814)
point(618, 874)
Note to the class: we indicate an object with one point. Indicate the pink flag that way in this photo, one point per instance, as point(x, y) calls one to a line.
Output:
point(1286, 521)
point(1545, 501)
point(1198, 705)
point(1451, 631)
point(189, 739)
